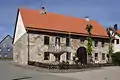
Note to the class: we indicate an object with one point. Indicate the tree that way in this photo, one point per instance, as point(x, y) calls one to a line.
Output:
point(89, 44)
point(111, 37)
point(116, 58)
point(89, 39)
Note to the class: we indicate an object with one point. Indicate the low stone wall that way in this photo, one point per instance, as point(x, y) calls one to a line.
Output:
point(68, 66)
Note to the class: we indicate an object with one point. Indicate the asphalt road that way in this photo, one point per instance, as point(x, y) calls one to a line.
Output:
point(106, 73)
point(10, 72)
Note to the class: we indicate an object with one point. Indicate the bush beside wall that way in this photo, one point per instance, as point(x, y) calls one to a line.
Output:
point(116, 58)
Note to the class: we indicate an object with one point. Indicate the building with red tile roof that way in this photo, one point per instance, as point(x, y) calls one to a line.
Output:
point(41, 36)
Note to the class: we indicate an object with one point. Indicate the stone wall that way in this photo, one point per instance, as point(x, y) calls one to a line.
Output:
point(37, 48)
point(20, 50)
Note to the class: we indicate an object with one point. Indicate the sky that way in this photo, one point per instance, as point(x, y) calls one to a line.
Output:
point(106, 12)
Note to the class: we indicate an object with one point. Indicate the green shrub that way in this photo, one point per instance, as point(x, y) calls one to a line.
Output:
point(116, 58)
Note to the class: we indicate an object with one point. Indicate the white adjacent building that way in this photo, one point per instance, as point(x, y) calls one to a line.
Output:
point(116, 41)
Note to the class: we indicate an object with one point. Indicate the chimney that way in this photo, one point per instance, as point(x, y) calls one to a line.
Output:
point(116, 27)
point(87, 18)
point(42, 11)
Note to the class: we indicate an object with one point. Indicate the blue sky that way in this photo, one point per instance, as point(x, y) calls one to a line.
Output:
point(106, 12)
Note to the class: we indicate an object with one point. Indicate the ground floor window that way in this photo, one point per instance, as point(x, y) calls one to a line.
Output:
point(96, 56)
point(5, 55)
point(103, 56)
point(46, 56)
point(68, 55)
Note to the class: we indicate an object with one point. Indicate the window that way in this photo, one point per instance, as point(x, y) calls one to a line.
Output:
point(0, 49)
point(103, 43)
point(5, 55)
point(82, 40)
point(67, 42)
point(117, 41)
point(96, 56)
point(46, 56)
point(96, 43)
point(113, 41)
point(68, 56)
point(8, 49)
point(103, 56)
point(57, 40)
point(46, 40)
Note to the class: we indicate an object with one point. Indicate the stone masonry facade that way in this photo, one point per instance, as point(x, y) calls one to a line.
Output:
point(20, 50)
point(37, 48)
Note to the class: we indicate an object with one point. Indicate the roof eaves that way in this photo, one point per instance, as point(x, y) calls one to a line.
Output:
point(65, 32)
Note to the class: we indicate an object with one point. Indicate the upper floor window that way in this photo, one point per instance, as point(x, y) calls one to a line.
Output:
point(67, 42)
point(57, 40)
point(82, 40)
point(46, 56)
point(96, 43)
point(117, 41)
point(46, 40)
point(103, 43)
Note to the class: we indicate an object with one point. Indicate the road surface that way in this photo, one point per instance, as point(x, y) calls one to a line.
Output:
point(11, 72)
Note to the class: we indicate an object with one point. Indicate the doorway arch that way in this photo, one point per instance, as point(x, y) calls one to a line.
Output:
point(82, 55)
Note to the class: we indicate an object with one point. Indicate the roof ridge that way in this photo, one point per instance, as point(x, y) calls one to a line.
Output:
point(65, 15)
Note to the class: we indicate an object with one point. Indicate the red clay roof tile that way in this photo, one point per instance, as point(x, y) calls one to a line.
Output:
point(118, 31)
point(50, 21)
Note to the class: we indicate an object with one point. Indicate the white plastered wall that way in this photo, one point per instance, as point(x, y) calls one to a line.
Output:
point(116, 47)
point(20, 29)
